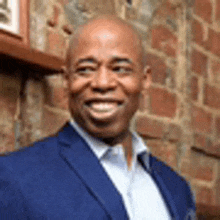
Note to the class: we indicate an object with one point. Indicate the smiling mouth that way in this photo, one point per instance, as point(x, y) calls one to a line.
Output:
point(103, 106)
point(103, 109)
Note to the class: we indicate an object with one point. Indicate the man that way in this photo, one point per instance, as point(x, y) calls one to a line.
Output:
point(95, 167)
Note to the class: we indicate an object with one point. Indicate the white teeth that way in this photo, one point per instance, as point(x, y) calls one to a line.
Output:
point(103, 107)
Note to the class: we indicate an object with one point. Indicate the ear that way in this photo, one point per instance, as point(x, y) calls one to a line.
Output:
point(147, 80)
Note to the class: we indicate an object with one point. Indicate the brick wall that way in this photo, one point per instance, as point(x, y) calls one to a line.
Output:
point(179, 114)
point(205, 63)
point(9, 93)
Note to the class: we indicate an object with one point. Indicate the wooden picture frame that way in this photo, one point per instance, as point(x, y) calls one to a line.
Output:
point(14, 22)
point(15, 40)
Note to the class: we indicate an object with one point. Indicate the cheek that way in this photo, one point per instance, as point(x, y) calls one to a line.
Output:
point(77, 86)
point(132, 90)
point(132, 87)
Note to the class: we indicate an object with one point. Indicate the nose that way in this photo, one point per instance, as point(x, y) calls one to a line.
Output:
point(103, 80)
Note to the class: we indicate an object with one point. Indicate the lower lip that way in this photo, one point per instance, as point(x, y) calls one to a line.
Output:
point(103, 115)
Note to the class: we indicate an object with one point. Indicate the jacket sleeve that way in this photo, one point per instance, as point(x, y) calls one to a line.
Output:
point(176, 189)
point(11, 199)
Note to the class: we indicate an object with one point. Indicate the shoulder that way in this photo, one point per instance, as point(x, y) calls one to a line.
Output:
point(174, 182)
point(21, 167)
point(26, 156)
point(16, 168)
point(164, 170)
point(167, 173)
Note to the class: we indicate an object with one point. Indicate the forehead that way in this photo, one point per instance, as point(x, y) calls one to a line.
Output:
point(106, 37)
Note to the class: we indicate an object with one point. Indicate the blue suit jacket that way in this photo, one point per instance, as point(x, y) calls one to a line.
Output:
point(60, 178)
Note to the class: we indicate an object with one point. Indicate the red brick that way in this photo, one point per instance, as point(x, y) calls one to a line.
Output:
point(56, 93)
point(213, 43)
point(199, 62)
point(201, 120)
point(60, 98)
point(185, 168)
point(10, 87)
point(163, 103)
point(194, 88)
point(198, 32)
point(214, 150)
point(204, 173)
point(203, 8)
point(166, 152)
point(217, 127)
point(8, 105)
point(167, 9)
point(150, 128)
point(189, 165)
point(175, 132)
point(217, 10)
point(205, 195)
point(56, 44)
point(158, 68)
point(216, 71)
point(196, 170)
point(9, 93)
point(201, 141)
point(7, 140)
point(163, 39)
point(144, 101)
point(199, 167)
point(204, 144)
point(212, 96)
point(53, 121)
point(217, 187)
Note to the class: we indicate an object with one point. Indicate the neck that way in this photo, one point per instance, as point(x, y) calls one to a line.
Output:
point(126, 142)
point(128, 150)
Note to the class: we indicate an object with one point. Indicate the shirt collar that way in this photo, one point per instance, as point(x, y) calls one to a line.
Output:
point(99, 148)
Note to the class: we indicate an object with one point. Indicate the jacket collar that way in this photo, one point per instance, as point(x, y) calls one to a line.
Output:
point(154, 167)
point(76, 152)
point(100, 148)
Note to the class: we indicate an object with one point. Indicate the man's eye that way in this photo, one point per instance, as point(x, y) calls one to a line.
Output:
point(85, 70)
point(120, 69)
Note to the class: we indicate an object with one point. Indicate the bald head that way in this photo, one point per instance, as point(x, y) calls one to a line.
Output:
point(106, 27)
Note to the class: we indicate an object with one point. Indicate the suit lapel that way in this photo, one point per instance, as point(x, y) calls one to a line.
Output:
point(151, 166)
point(79, 156)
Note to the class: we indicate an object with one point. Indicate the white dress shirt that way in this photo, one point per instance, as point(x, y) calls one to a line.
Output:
point(140, 194)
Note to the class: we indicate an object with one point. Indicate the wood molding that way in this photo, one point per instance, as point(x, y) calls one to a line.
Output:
point(17, 46)
point(32, 57)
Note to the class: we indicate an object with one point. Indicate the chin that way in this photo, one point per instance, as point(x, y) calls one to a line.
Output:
point(103, 129)
point(109, 134)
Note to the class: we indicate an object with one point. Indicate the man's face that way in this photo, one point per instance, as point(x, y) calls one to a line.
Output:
point(105, 80)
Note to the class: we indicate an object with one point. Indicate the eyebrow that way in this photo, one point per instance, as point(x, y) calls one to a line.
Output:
point(85, 60)
point(114, 59)
point(117, 59)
